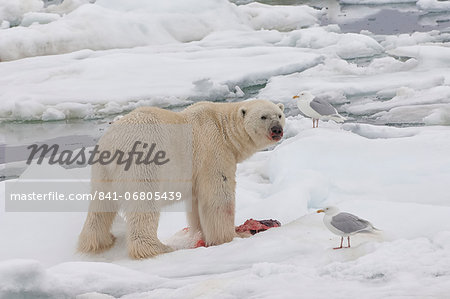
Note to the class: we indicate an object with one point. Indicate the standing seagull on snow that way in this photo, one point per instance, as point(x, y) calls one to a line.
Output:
point(317, 108)
point(345, 224)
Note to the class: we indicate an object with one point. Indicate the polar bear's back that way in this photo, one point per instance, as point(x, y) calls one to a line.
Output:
point(138, 132)
point(151, 115)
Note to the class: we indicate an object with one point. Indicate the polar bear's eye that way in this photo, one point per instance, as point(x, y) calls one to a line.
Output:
point(263, 117)
point(279, 115)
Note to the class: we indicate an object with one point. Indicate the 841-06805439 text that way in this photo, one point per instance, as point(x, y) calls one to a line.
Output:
point(98, 195)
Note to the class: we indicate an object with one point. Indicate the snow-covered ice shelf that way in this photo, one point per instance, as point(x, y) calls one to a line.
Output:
point(67, 68)
point(241, 46)
point(395, 177)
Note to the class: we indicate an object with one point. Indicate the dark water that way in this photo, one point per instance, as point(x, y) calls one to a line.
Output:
point(388, 21)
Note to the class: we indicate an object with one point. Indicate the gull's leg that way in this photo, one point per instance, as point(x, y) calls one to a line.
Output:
point(317, 123)
point(342, 240)
point(313, 122)
point(348, 242)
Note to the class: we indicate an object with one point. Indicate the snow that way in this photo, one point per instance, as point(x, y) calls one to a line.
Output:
point(242, 52)
point(116, 24)
point(387, 87)
point(282, 18)
point(391, 160)
point(136, 77)
point(68, 68)
point(387, 175)
point(328, 40)
point(433, 5)
point(142, 76)
point(38, 17)
point(13, 11)
point(416, 38)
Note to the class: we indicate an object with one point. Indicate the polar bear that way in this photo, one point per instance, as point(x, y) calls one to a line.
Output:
point(223, 134)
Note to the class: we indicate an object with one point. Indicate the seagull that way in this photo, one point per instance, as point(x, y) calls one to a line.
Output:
point(345, 224)
point(317, 108)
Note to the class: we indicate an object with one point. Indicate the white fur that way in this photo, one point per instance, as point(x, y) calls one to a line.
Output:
point(223, 134)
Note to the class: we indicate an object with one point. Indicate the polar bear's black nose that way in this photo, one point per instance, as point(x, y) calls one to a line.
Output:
point(276, 130)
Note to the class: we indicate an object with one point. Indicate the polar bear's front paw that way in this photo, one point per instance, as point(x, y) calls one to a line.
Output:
point(95, 243)
point(141, 248)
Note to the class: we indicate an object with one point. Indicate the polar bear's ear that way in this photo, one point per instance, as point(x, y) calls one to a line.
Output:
point(281, 106)
point(242, 112)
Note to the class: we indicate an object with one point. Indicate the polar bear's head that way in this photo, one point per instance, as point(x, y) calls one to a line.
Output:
point(263, 121)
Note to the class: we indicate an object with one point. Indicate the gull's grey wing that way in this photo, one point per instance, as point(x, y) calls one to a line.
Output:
point(349, 223)
point(322, 107)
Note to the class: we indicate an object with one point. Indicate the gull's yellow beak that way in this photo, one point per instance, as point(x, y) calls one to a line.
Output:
point(320, 211)
point(295, 97)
